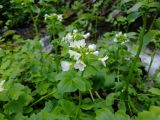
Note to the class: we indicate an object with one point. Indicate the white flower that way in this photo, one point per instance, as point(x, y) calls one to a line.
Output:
point(81, 43)
point(92, 47)
point(75, 31)
point(87, 35)
point(65, 65)
point(118, 34)
point(96, 53)
point(75, 55)
point(121, 38)
point(77, 44)
point(1, 85)
point(45, 16)
point(60, 17)
point(115, 39)
point(73, 44)
point(79, 65)
point(103, 60)
point(69, 37)
point(125, 35)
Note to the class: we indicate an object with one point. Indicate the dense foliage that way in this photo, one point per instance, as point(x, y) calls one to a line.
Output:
point(87, 67)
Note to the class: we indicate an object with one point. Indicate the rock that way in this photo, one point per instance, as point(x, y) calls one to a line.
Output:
point(145, 57)
point(46, 45)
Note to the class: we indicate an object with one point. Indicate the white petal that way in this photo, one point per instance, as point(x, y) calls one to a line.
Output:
point(60, 17)
point(65, 65)
point(79, 65)
point(86, 36)
point(75, 31)
point(77, 44)
point(96, 53)
point(74, 54)
point(103, 60)
point(92, 47)
point(115, 40)
point(73, 44)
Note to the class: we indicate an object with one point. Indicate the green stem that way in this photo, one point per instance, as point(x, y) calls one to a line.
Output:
point(127, 27)
point(152, 58)
point(97, 94)
point(43, 97)
point(154, 18)
point(96, 27)
point(35, 24)
point(118, 63)
point(57, 58)
point(91, 95)
point(79, 105)
point(129, 77)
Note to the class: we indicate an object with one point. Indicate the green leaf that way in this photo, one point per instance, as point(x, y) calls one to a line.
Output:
point(13, 107)
point(2, 117)
point(20, 117)
point(155, 109)
point(79, 83)
point(99, 104)
point(15, 90)
point(109, 80)
point(125, 1)
point(104, 114)
point(66, 85)
point(136, 7)
point(49, 106)
point(87, 104)
point(65, 75)
point(89, 71)
point(68, 107)
point(133, 16)
point(146, 115)
point(155, 91)
point(121, 115)
point(121, 105)
point(149, 36)
point(110, 99)
point(6, 64)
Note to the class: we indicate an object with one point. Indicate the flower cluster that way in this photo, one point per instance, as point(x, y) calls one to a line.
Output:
point(75, 36)
point(120, 38)
point(59, 17)
point(78, 50)
point(1, 85)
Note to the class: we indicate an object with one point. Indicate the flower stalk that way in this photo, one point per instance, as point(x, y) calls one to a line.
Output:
point(130, 75)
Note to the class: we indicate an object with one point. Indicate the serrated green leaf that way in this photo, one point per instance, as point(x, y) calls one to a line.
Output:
point(104, 114)
point(20, 117)
point(89, 71)
point(155, 109)
point(13, 107)
point(68, 107)
point(136, 7)
point(66, 85)
point(2, 117)
point(133, 16)
point(121, 115)
point(65, 75)
point(155, 91)
point(110, 99)
point(79, 83)
point(148, 37)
